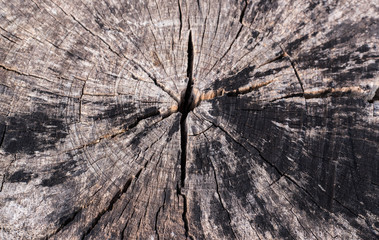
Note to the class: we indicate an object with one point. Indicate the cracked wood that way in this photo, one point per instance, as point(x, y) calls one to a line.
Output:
point(189, 119)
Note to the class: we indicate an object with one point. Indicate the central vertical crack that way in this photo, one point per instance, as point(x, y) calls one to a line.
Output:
point(187, 103)
point(180, 19)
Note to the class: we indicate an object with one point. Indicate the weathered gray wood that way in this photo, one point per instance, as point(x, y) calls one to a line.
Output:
point(198, 119)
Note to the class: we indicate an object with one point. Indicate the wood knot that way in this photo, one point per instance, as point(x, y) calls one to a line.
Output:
point(192, 101)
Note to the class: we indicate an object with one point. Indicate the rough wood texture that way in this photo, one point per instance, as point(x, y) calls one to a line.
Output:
point(199, 119)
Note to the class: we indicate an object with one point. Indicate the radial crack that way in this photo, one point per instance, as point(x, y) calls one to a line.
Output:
point(157, 215)
point(121, 55)
point(180, 19)
point(285, 54)
point(162, 113)
point(248, 89)
point(375, 97)
point(10, 33)
point(186, 105)
point(232, 43)
point(185, 210)
point(243, 12)
point(67, 222)
point(6, 172)
point(219, 197)
point(278, 57)
point(185, 108)
point(292, 95)
point(269, 163)
point(297, 75)
point(298, 220)
point(2, 183)
point(202, 41)
point(116, 197)
point(81, 102)
point(3, 135)
point(8, 38)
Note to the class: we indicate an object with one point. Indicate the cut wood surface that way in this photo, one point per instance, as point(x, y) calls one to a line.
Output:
point(189, 119)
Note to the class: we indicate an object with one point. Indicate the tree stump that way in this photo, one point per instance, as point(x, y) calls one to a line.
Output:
point(189, 119)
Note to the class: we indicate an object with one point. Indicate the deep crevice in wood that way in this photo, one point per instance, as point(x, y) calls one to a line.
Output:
point(8, 39)
point(3, 135)
point(183, 143)
point(320, 204)
point(185, 108)
point(190, 64)
point(375, 97)
point(198, 5)
point(2, 183)
point(184, 213)
point(180, 19)
point(243, 12)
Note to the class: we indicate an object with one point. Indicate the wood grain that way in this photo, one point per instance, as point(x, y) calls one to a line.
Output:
point(189, 119)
